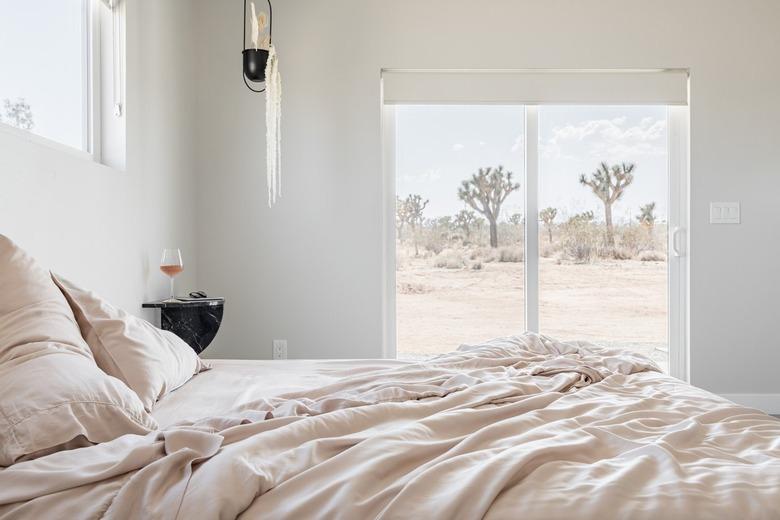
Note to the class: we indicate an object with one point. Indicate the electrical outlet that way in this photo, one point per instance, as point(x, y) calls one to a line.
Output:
point(280, 349)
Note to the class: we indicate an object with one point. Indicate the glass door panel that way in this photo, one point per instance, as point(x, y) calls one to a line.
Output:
point(603, 210)
point(459, 225)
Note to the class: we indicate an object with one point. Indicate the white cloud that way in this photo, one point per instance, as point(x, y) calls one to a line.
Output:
point(550, 150)
point(482, 143)
point(457, 147)
point(609, 139)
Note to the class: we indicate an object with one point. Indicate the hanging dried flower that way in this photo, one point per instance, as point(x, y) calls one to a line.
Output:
point(259, 23)
point(273, 118)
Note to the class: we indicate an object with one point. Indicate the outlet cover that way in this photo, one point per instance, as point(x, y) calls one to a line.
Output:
point(724, 212)
point(280, 349)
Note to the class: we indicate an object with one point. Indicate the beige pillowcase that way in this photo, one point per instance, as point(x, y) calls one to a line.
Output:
point(55, 399)
point(32, 309)
point(52, 394)
point(152, 362)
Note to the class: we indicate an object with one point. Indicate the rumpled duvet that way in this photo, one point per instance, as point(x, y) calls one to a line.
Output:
point(521, 427)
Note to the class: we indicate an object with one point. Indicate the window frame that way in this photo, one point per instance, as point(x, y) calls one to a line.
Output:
point(90, 91)
point(678, 246)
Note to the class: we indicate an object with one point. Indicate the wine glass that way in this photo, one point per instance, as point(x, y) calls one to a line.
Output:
point(171, 265)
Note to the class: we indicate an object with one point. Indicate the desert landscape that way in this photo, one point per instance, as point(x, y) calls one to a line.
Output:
point(610, 303)
point(460, 280)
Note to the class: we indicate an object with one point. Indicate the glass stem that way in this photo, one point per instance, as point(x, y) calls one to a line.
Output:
point(172, 295)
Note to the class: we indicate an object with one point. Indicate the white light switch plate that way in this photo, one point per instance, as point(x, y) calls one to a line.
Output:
point(724, 212)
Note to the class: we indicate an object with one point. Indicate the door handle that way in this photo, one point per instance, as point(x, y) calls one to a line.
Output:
point(675, 247)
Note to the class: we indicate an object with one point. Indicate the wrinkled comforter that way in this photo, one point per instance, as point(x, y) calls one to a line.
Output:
point(521, 427)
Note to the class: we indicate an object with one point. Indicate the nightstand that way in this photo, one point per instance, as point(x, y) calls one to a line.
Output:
point(196, 322)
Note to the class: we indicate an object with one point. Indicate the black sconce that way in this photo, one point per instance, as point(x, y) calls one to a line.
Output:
point(255, 59)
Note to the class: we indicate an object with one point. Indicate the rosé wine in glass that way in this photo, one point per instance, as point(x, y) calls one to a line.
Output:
point(171, 265)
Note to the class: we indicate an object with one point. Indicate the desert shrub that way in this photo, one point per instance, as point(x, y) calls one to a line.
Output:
point(485, 254)
point(476, 266)
point(434, 238)
point(616, 253)
point(509, 233)
point(413, 288)
point(449, 259)
point(651, 256)
point(457, 238)
point(548, 250)
point(433, 244)
point(510, 254)
point(635, 238)
point(578, 251)
point(581, 240)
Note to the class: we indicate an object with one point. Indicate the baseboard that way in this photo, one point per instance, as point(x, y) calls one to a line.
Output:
point(769, 403)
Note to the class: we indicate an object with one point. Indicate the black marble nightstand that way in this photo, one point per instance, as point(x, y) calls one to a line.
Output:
point(196, 322)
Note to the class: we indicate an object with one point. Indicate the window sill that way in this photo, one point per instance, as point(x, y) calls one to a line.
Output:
point(44, 141)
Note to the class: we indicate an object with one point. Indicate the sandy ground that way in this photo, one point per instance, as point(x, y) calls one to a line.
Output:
point(613, 303)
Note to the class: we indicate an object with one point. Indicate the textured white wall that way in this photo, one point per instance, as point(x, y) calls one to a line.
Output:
point(309, 270)
point(103, 228)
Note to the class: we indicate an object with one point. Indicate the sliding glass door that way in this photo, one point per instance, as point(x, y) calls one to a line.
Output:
point(565, 219)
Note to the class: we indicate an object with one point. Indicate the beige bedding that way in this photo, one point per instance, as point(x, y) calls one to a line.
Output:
point(233, 384)
point(519, 428)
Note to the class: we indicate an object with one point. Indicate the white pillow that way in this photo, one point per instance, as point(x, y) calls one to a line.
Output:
point(52, 394)
point(152, 362)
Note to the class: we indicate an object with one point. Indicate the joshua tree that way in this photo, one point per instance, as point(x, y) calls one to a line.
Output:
point(581, 218)
point(647, 219)
point(444, 222)
point(400, 216)
point(412, 213)
point(608, 184)
point(547, 215)
point(647, 215)
point(485, 192)
point(443, 226)
point(19, 114)
point(516, 219)
point(465, 220)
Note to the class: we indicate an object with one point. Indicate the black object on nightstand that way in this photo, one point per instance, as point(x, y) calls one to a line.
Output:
point(194, 321)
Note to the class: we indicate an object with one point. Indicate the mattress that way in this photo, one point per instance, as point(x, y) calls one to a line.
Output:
point(233, 384)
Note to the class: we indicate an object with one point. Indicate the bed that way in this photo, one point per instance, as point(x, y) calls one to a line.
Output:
point(520, 427)
point(102, 415)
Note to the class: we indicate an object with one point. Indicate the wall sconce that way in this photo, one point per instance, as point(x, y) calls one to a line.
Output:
point(256, 49)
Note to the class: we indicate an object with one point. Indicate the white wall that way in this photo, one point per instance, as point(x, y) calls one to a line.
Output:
point(309, 270)
point(103, 228)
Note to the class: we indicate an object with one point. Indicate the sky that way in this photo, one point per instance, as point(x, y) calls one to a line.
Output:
point(438, 146)
point(41, 61)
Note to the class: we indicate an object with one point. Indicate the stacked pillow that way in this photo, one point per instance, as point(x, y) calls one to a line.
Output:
point(53, 394)
point(152, 362)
